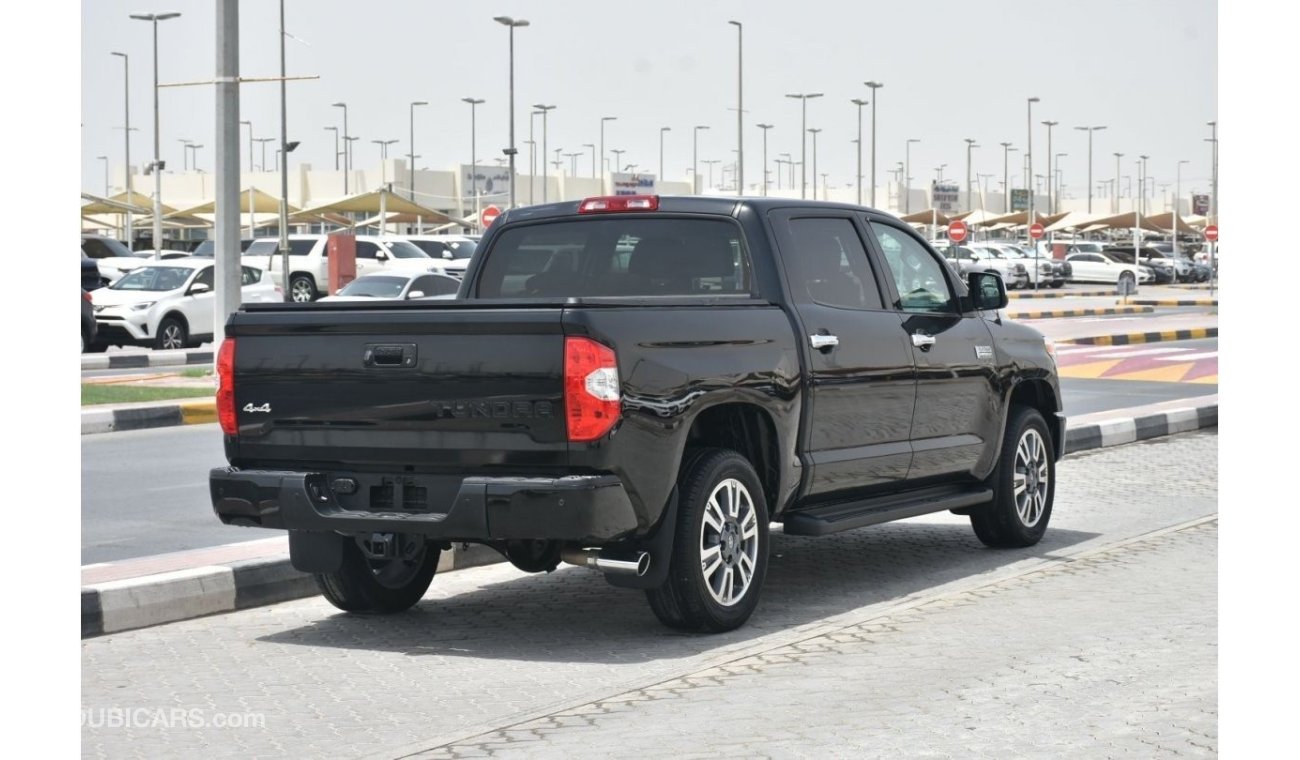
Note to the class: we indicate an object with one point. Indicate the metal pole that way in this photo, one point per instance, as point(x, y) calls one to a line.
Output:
point(766, 127)
point(740, 107)
point(1029, 171)
point(411, 172)
point(126, 135)
point(227, 274)
point(532, 157)
point(1115, 195)
point(1214, 171)
point(859, 102)
point(814, 132)
point(284, 169)
point(603, 119)
point(907, 176)
point(1051, 206)
point(695, 160)
point(544, 109)
point(970, 143)
point(661, 151)
point(1006, 178)
point(875, 95)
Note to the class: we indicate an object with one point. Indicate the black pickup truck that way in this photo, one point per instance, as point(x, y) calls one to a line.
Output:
point(640, 385)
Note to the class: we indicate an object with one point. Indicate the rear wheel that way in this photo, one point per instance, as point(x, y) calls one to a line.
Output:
point(719, 556)
point(171, 334)
point(1024, 484)
point(303, 288)
point(364, 584)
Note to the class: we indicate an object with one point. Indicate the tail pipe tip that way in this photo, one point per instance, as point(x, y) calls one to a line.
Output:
point(638, 564)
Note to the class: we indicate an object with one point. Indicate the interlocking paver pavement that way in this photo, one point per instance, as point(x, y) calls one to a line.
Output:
point(490, 647)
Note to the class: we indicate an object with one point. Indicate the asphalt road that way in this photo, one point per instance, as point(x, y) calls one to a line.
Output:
point(145, 492)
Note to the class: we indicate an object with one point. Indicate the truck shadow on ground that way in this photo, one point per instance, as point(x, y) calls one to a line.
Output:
point(573, 615)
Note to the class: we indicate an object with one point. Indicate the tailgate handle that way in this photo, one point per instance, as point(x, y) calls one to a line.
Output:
point(389, 355)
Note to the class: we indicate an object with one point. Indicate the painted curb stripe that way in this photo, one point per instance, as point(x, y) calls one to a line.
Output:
point(1177, 302)
point(1149, 337)
point(198, 412)
point(1063, 294)
point(152, 359)
point(185, 594)
point(1082, 312)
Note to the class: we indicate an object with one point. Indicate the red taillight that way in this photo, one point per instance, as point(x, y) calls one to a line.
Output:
point(591, 390)
point(226, 387)
point(613, 203)
point(86, 297)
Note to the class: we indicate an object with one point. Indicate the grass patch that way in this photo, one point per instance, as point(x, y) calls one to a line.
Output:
point(196, 372)
point(92, 393)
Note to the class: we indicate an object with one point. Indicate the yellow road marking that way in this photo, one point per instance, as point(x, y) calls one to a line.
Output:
point(1088, 370)
point(1170, 374)
point(198, 412)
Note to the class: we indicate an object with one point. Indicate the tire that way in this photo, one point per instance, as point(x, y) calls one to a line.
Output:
point(1058, 284)
point(382, 586)
point(171, 334)
point(533, 556)
point(303, 288)
point(1007, 522)
point(721, 485)
point(95, 347)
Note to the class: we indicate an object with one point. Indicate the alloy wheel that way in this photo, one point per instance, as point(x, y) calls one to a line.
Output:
point(729, 542)
point(1031, 478)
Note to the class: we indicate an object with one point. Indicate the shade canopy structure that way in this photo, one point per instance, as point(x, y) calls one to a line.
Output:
point(928, 216)
point(122, 203)
point(1126, 221)
point(977, 218)
point(1016, 219)
point(377, 202)
point(407, 218)
point(1075, 220)
point(259, 203)
point(1171, 222)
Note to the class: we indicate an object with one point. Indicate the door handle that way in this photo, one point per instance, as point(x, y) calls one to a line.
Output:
point(922, 341)
point(823, 342)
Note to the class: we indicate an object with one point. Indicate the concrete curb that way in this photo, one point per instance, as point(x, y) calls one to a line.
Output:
point(1060, 294)
point(1052, 314)
point(1125, 339)
point(1175, 301)
point(153, 359)
point(170, 597)
point(196, 412)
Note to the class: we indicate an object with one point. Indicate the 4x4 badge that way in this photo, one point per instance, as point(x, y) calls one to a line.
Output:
point(263, 408)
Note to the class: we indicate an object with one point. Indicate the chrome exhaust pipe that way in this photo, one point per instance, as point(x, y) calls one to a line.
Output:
point(638, 565)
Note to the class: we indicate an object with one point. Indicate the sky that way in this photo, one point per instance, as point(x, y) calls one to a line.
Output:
point(952, 70)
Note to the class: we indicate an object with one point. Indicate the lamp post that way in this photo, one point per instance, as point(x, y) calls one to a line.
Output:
point(814, 131)
point(1142, 184)
point(532, 156)
point(875, 96)
point(185, 153)
point(335, 130)
point(603, 119)
point(573, 163)
point(285, 149)
point(765, 127)
point(593, 157)
point(105, 160)
point(411, 155)
point(1115, 195)
point(661, 150)
point(158, 164)
point(126, 138)
point(1006, 178)
point(789, 161)
point(1089, 130)
point(1213, 139)
point(473, 155)
point(711, 162)
point(543, 110)
point(803, 141)
point(263, 141)
point(347, 146)
point(1178, 192)
point(513, 24)
point(970, 145)
point(1056, 161)
point(1051, 206)
point(740, 107)
point(695, 155)
point(938, 172)
point(1029, 171)
point(194, 162)
point(618, 159)
point(907, 175)
point(859, 102)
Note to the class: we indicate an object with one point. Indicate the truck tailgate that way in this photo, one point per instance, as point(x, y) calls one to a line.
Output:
point(374, 388)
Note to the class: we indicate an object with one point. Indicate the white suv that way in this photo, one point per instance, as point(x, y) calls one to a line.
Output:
point(309, 263)
point(453, 251)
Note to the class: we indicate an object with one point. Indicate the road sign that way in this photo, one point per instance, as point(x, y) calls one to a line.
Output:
point(490, 215)
point(957, 231)
point(1036, 230)
point(1212, 233)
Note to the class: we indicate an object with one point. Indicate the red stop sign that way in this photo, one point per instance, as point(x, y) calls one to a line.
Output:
point(1036, 230)
point(1212, 233)
point(489, 215)
point(957, 231)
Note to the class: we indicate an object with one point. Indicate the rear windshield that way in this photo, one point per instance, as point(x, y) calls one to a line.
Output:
point(627, 256)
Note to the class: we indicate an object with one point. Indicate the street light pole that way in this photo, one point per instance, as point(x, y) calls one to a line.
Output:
point(543, 109)
point(1029, 170)
point(263, 141)
point(532, 156)
point(695, 159)
point(1051, 206)
point(284, 165)
point(411, 155)
point(907, 175)
point(1056, 161)
point(859, 102)
point(814, 132)
point(765, 127)
point(593, 157)
point(603, 119)
point(335, 130)
point(473, 156)
point(740, 107)
point(1006, 178)
point(970, 145)
point(803, 142)
point(1142, 185)
point(661, 151)
point(618, 159)
point(1178, 192)
point(875, 96)
point(1115, 195)
point(1089, 130)
point(347, 147)
point(126, 135)
point(105, 160)
point(1213, 139)
point(249, 124)
point(154, 18)
point(512, 24)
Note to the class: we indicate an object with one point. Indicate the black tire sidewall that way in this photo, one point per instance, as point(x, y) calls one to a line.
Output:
point(354, 587)
point(162, 330)
point(303, 278)
point(1003, 526)
point(696, 484)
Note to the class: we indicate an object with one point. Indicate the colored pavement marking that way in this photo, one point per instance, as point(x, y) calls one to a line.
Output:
point(1088, 370)
point(1170, 373)
point(1162, 364)
point(1194, 357)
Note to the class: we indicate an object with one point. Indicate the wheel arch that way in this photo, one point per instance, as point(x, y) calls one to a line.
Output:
point(748, 429)
point(1038, 394)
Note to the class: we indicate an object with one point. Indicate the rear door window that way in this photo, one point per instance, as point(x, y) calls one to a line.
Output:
point(627, 256)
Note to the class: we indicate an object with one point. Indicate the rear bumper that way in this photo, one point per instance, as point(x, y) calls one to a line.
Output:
point(590, 508)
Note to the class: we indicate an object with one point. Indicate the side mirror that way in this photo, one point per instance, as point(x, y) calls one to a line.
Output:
point(200, 287)
point(415, 294)
point(987, 291)
point(381, 256)
point(446, 254)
